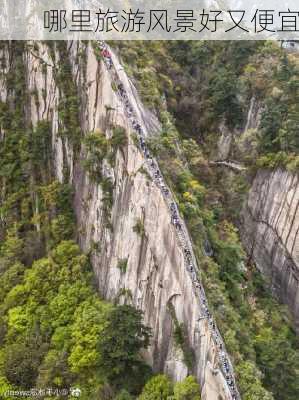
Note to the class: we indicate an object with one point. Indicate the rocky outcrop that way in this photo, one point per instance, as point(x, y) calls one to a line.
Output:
point(154, 278)
point(270, 230)
point(253, 115)
point(239, 141)
point(224, 142)
point(270, 219)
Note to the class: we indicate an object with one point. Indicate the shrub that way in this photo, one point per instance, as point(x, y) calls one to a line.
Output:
point(119, 137)
point(117, 141)
point(122, 265)
point(123, 395)
point(107, 198)
point(188, 389)
point(159, 387)
point(120, 342)
point(139, 227)
point(97, 147)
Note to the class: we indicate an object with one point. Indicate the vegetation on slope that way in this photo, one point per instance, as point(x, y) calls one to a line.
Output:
point(206, 85)
point(246, 313)
point(160, 387)
point(55, 331)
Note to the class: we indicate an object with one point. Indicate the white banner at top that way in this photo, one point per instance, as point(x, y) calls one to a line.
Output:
point(149, 20)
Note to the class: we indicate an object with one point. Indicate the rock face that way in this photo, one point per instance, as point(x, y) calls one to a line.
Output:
point(270, 229)
point(269, 223)
point(155, 279)
point(228, 136)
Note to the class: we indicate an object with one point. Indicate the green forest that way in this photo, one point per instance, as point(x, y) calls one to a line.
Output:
point(55, 329)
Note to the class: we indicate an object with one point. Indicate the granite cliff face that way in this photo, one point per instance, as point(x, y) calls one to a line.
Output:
point(155, 279)
point(270, 218)
point(270, 233)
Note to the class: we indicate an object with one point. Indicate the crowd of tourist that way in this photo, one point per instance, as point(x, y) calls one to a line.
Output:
point(177, 222)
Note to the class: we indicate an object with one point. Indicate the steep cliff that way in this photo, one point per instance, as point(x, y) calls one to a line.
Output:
point(138, 246)
point(269, 219)
point(270, 232)
point(154, 278)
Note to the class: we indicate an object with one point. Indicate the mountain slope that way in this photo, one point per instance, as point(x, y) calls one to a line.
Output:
point(124, 224)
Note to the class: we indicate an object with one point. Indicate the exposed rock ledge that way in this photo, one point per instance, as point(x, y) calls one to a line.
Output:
point(270, 229)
